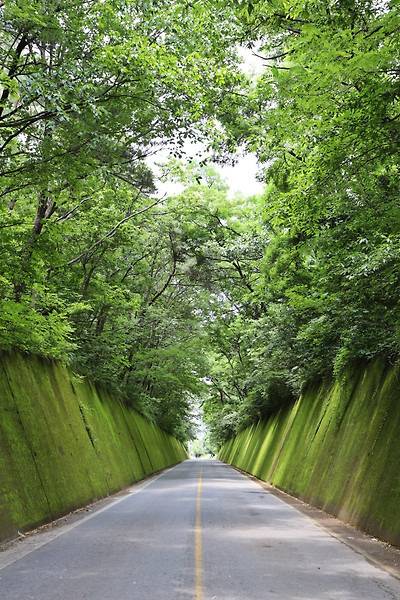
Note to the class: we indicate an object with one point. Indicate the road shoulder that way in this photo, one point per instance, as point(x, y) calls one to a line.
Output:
point(378, 553)
point(28, 542)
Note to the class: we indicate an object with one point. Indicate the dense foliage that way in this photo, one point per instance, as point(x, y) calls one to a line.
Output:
point(237, 302)
point(89, 256)
point(324, 119)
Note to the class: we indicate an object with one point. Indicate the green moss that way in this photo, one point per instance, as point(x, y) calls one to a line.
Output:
point(336, 447)
point(21, 505)
point(64, 443)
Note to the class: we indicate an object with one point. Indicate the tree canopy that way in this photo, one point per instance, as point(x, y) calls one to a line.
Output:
point(200, 298)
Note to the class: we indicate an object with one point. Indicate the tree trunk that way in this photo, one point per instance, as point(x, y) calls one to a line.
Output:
point(26, 255)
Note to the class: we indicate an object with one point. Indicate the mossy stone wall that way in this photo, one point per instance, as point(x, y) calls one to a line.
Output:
point(64, 443)
point(337, 447)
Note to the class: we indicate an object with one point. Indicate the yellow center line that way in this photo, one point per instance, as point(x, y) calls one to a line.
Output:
point(198, 550)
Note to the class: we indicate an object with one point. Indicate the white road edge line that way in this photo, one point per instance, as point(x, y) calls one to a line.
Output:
point(8, 557)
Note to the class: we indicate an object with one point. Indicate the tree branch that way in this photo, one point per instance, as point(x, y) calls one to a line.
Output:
point(111, 233)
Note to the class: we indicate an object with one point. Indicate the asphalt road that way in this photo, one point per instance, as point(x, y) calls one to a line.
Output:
point(200, 531)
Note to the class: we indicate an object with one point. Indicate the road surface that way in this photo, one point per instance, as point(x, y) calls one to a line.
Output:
point(200, 531)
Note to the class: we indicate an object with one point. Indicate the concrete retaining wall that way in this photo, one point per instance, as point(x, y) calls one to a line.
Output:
point(337, 447)
point(64, 443)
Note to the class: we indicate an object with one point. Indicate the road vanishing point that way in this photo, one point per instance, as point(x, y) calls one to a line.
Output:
point(198, 531)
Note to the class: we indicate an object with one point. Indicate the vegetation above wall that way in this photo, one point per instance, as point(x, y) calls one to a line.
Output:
point(324, 119)
point(90, 257)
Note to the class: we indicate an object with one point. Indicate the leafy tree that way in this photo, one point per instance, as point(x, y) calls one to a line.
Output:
point(323, 118)
point(87, 91)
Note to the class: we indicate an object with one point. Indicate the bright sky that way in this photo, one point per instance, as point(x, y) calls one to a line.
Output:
point(241, 177)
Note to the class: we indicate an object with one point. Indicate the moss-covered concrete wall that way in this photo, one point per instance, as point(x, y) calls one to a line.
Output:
point(64, 443)
point(337, 447)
